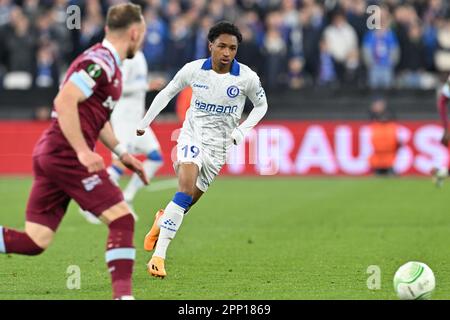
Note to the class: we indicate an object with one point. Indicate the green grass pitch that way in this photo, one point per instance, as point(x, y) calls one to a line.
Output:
point(252, 238)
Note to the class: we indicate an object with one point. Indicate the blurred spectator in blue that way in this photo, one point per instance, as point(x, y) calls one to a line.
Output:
point(296, 79)
point(201, 38)
point(231, 11)
point(216, 10)
point(433, 16)
point(91, 26)
point(46, 74)
point(342, 43)
point(289, 13)
point(248, 51)
point(412, 61)
point(5, 11)
point(180, 46)
point(251, 20)
point(381, 53)
point(327, 73)
point(274, 52)
point(20, 43)
point(311, 21)
point(50, 28)
point(31, 9)
point(172, 10)
point(355, 11)
point(155, 41)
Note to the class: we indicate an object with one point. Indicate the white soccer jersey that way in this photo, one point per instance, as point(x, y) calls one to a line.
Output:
point(217, 100)
point(215, 110)
point(130, 109)
point(131, 106)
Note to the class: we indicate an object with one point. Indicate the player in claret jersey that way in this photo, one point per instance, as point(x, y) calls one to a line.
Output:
point(439, 174)
point(65, 164)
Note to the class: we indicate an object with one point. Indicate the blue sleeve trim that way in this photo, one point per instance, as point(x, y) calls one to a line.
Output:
point(182, 199)
point(81, 84)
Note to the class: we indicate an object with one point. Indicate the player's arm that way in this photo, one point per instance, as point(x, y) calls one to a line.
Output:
point(66, 106)
point(180, 81)
point(443, 100)
point(108, 138)
point(257, 96)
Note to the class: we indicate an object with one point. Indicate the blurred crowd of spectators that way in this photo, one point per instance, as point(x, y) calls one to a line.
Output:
point(290, 43)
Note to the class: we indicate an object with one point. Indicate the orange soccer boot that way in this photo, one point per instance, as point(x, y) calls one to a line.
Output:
point(152, 236)
point(156, 267)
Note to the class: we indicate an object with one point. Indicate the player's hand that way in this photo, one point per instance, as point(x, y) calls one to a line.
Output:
point(134, 165)
point(237, 136)
point(140, 132)
point(445, 138)
point(91, 160)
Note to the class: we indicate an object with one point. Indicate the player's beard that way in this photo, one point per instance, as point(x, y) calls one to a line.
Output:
point(131, 52)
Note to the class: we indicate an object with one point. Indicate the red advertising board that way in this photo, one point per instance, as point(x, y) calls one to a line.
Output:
point(291, 148)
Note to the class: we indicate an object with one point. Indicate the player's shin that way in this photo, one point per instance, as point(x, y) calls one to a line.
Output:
point(13, 241)
point(151, 166)
point(120, 255)
point(170, 222)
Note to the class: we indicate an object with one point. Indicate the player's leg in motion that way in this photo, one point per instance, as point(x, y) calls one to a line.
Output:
point(33, 241)
point(45, 209)
point(120, 252)
point(167, 225)
point(151, 165)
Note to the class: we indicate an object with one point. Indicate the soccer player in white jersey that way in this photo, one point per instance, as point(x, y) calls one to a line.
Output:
point(220, 86)
point(126, 115)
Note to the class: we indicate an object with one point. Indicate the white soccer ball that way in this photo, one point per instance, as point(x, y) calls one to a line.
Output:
point(414, 281)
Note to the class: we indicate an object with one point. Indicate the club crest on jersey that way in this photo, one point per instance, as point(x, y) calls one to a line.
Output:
point(233, 91)
point(109, 103)
point(94, 70)
point(91, 182)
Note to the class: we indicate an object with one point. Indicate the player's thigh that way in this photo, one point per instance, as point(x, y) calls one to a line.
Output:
point(47, 202)
point(94, 192)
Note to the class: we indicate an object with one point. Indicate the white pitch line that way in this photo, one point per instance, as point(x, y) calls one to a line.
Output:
point(162, 185)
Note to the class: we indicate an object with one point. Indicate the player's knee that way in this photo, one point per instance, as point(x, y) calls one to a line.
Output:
point(125, 222)
point(155, 155)
point(36, 245)
point(38, 238)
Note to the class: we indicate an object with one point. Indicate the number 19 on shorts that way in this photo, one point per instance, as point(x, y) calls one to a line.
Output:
point(190, 151)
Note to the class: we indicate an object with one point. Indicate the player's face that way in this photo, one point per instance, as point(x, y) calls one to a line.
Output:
point(137, 33)
point(223, 50)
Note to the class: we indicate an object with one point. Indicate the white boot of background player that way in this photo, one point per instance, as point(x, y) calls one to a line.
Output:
point(439, 175)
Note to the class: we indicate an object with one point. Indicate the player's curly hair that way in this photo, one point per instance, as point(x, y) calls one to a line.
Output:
point(224, 27)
